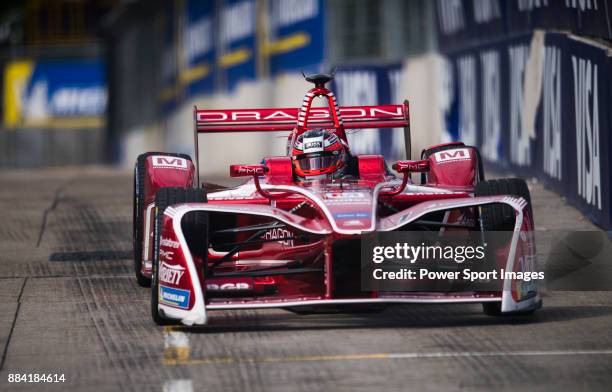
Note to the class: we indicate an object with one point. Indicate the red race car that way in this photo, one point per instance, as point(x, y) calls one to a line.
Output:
point(290, 236)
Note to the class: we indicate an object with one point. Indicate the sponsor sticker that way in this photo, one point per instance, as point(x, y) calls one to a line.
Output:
point(171, 274)
point(279, 234)
point(169, 162)
point(459, 154)
point(239, 286)
point(168, 243)
point(174, 297)
point(314, 144)
point(352, 215)
point(346, 195)
point(354, 222)
point(166, 254)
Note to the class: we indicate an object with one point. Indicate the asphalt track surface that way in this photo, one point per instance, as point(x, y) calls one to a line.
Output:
point(70, 305)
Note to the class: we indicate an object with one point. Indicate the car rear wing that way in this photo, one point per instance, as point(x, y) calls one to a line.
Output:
point(286, 119)
point(306, 117)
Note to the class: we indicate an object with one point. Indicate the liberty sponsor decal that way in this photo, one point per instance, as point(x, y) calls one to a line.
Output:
point(586, 106)
point(174, 297)
point(459, 154)
point(169, 162)
point(552, 113)
point(171, 274)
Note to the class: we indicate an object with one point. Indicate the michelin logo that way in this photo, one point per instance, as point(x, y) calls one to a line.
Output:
point(174, 297)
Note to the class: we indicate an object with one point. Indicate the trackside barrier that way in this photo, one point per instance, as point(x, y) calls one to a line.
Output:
point(463, 23)
point(538, 105)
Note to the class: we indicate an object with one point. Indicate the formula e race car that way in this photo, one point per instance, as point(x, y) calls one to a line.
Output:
point(289, 237)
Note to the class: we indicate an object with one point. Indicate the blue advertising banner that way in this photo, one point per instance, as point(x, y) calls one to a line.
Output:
point(586, 129)
point(169, 68)
point(524, 16)
point(537, 105)
point(296, 34)
point(371, 85)
point(465, 23)
point(197, 75)
point(66, 93)
point(593, 17)
point(238, 48)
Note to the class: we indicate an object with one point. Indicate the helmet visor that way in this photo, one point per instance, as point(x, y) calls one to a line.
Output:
point(317, 161)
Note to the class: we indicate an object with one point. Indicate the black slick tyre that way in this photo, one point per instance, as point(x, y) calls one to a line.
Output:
point(138, 211)
point(193, 225)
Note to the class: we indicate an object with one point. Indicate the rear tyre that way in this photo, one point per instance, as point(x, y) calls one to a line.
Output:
point(495, 217)
point(138, 212)
point(193, 224)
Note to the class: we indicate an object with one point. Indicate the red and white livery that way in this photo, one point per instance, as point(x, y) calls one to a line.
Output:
point(279, 241)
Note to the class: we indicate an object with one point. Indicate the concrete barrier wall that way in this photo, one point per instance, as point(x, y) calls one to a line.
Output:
point(31, 148)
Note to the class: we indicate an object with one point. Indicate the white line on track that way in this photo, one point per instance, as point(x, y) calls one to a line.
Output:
point(381, 356)
point(181, 385)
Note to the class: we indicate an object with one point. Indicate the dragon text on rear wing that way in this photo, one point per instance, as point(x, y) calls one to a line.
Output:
point(286, 119)
point(306, 117)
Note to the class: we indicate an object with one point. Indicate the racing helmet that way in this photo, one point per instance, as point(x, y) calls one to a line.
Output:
point(319, 154)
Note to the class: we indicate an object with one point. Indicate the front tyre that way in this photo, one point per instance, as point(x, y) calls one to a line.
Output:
point(138, 212)
point(166, 197)
point(495, 217)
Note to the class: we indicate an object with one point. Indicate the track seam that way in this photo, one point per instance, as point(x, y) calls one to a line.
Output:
point(10, 335)
point(59, 193)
